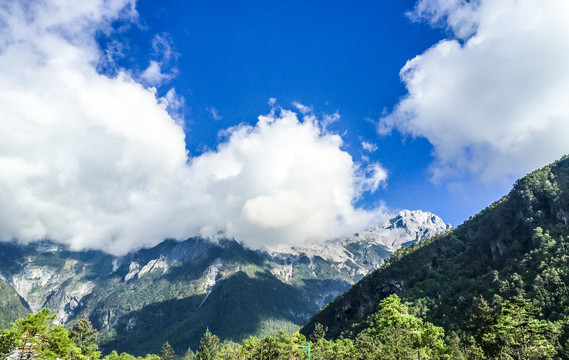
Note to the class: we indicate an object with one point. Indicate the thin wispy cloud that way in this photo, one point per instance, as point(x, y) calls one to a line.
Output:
point(214, 114)
point(304, 109)
point(370, 147)
point(329, 119)
point(163, 67)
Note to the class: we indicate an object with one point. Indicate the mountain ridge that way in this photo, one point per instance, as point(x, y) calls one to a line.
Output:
point(182, 285)
point(517, 246)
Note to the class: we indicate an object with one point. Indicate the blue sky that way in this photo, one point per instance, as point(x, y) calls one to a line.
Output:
point(125, 122)
point(337, 56)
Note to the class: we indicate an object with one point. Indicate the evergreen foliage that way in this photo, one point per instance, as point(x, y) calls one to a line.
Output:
point(84, 337)
point(396, 334)
point(36, 334)
point(189, 355)
point(497, 284)
point(209, 347)
point(167, 352)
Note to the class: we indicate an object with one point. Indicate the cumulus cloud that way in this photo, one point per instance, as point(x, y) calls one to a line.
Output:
point(154, 74)
point(99, 162)
point(492, 100)
point(281, 181)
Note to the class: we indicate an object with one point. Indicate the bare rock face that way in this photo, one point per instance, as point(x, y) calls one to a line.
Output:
point(403, 229)
point(365, 251)
point(33, 283)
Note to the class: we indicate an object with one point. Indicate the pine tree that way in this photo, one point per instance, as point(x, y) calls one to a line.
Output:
point(318, 333)
point(189, 355)
point(84, 337)
point(7, 343)
point(209, 347)
point(519, 334)
point(167, 352)
point(397, 334)
point(49, 342)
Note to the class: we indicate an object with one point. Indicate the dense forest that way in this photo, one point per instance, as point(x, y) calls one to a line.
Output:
point(497, 282)
point(393, 332)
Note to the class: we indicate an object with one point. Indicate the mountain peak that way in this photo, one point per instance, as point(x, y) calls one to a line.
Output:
point(417, 220)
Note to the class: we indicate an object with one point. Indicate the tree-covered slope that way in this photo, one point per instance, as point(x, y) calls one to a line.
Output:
point(517, 247)
point(12, 305)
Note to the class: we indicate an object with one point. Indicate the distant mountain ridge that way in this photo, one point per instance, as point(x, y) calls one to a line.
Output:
point(140, 300)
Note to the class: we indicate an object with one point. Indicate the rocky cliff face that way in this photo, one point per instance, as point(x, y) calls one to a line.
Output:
point(195, 284)
point(365, 251)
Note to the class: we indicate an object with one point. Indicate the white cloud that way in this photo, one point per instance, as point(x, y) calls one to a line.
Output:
point(304, 109)
point(367, 146)
point(214, 113)
point(459, 16)
point(282, 181)
point(328, 119)
point(494, 105)
point(99, 162)
point(371, 177)
point(162, 48)
point(175, 105)
point(154, 75)
point(162, 69)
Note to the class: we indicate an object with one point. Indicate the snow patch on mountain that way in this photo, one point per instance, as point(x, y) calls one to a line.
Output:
point(403, 229)
point(365, 251)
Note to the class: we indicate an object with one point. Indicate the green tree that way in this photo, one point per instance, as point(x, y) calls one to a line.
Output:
point(461, 349)
point(57, 344)
point(251, 348)
point(230, 351)
point(209, 347)
point(397, 334)
point(189, 355)
point(518, 333)
point(167, 352)
point(341, 349)
point(115, 356)
point(7, 343)
point(36, 334)
point(318, 333)
point(84, 337)
point(149, 357)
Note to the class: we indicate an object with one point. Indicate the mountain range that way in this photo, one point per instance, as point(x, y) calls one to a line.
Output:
point(176, 290)
point(510, 259)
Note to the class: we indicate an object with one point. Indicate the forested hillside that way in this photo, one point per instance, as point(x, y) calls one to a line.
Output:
point(11, 303)
point(509, 261)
